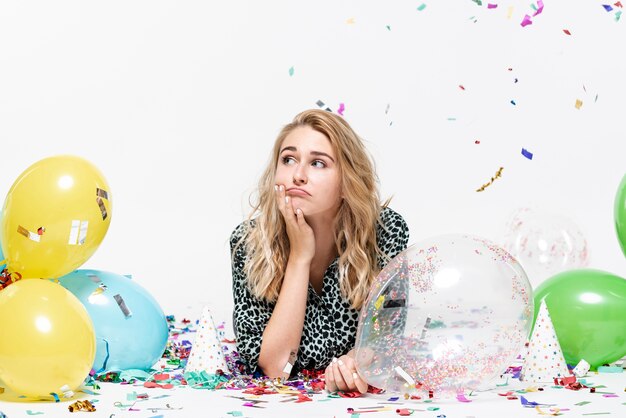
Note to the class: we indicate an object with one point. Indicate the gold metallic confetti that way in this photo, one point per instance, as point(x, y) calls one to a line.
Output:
point(579, 104)
point(102, 194)
point(82, 406)
point(498, 174)
point(28, 234)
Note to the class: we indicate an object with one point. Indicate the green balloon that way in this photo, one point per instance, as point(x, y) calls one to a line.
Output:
point(620, 214)
point(588, 310)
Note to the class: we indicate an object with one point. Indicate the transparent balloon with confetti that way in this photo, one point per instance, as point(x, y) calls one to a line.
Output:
point(545, 244)
point(445, 316)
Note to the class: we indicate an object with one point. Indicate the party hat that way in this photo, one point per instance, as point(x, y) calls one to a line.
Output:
point(544, 361)
point(206, 353)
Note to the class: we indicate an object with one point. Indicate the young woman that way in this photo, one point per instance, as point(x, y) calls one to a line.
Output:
point(304, 260)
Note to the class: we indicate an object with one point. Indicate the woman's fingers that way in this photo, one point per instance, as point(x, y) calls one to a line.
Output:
point(341, 375)
point(330, 379)
point(285, 205)
point(346, 373)
point(280, 197)
point(360, 384)
point(340, 383)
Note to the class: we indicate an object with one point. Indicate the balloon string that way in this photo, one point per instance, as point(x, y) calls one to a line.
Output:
point(106, 358)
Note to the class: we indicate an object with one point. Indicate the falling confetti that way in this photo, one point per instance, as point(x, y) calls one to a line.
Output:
point(578, 104)
point(491, 6)
point(513, 103)
point(607, 7)
point(526, 21)
point(342, 107)
point(388, 28)
point(421, 7)
point(567, 32)
point(497, 175)
point(461, 87)
point(350, 21)
point(321, 104)
point(527, 154)
point(509, 12)
point(291, 70)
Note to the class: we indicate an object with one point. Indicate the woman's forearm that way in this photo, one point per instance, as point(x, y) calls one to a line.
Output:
point(284, 330)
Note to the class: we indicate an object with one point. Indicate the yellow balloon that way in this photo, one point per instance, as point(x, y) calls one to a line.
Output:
point(54, 217)
point(47, 339)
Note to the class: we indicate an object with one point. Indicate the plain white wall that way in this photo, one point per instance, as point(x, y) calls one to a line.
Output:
point(178, 103)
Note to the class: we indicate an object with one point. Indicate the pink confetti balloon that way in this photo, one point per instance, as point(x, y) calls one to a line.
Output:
point(545, 244)
point(446, 315)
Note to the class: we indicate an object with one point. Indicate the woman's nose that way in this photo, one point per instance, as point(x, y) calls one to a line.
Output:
point(299, 176)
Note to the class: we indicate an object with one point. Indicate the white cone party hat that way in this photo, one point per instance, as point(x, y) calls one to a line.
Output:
point(544, 361)
point(206, 352)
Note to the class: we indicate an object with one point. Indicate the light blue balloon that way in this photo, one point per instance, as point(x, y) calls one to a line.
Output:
point(131, 329)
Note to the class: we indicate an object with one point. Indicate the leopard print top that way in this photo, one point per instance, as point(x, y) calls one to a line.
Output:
point(330, 324)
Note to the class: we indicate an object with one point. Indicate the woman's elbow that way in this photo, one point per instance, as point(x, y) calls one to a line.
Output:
point(272, 369)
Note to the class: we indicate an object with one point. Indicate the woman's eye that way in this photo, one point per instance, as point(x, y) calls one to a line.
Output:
point(319, 164)
point(288, 160)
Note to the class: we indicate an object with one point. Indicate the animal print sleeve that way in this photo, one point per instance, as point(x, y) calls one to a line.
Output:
point(393, 236)
point(250, 315)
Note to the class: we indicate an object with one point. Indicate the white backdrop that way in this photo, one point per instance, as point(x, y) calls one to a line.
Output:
point(178, 103)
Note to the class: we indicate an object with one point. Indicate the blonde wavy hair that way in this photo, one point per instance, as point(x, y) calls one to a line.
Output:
point(267, 243)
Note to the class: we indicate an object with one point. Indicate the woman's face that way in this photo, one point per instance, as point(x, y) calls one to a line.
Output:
point(307, 168)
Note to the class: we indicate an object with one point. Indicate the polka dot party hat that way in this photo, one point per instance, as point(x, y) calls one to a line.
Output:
point(206, 351)
point(544, 360)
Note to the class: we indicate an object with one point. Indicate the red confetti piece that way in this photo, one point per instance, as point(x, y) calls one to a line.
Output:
point(566, 32)
point(259, 390)
point(303, 398)
point(151, 385)
point(372, 389)
point(461, 87)
point(353, 394)
point(318, 386)
point(477, 142)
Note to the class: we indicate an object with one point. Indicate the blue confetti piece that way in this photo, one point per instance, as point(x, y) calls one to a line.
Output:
point(395, 398)
point(527, 154)
point(513, 103)
point(607, 7)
